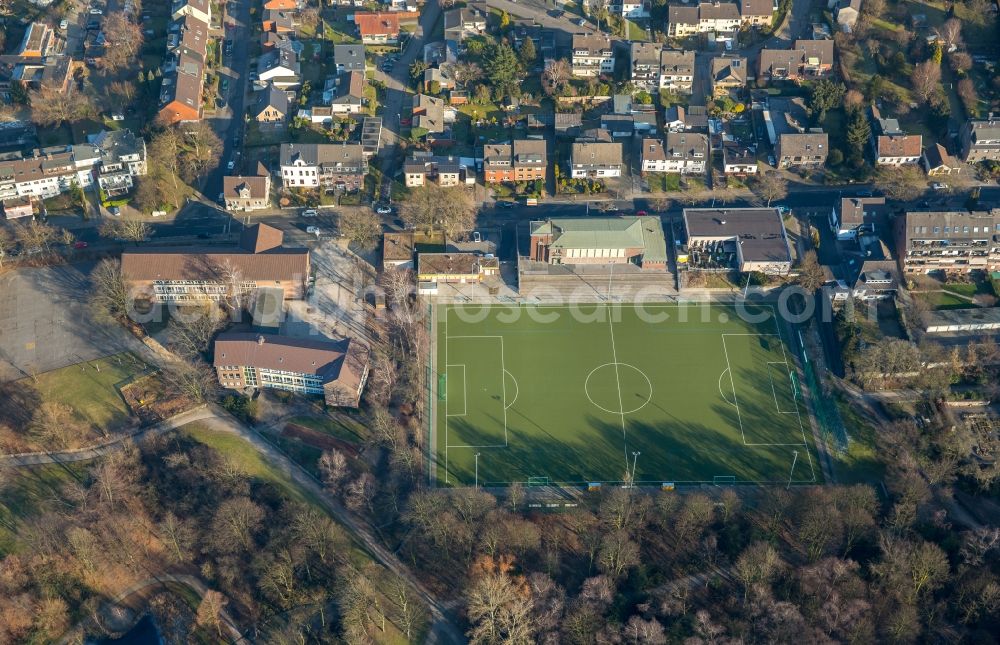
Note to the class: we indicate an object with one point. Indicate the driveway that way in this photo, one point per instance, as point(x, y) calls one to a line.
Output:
point(46, 322)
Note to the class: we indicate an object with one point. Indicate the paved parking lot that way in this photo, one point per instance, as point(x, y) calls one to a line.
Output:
point(45, 322)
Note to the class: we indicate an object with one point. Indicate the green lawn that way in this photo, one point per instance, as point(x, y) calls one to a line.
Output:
point(662, 182)
point(246, 457)
point(340, 426)
point(572, 393)
point(860, 464)
point(92, 393)
point(635, 32)
point(942, 300)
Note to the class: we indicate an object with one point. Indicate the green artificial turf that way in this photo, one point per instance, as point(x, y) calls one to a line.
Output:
point(707, 396)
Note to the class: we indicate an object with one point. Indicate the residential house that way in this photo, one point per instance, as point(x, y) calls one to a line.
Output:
point(949, 241)
point(677, 70)
point(630, 8)
point(595, 160)
point(180, 92)
point(891, 146)
point(250, 360)
point(441, 77)
point(281, 5)
point(855, 216)
point(599, 241)
point(349, 58)
point(200, 9)
point(17, 207)
point(757, 13)
point(278, 21)
point(728, 74)
point(644, 60)
point(190, 39)
point(738, 159)
point(122, 159)
point(419, 170)
point(51, 73)
point(593, 55)
point(271, 108)
point(980, 140)
point(522, 160)
point(805, 149)
point(684, 20)
point(190, 274)
point(281, 68)
point(245, 194)
point(847, 12)
point(754, 237)
point(431, 114)
point(334, 166)
point(877, 279)
point(567, 123)
point(464, 22)
point(937, 161)
point(377, 28)
point(618, 125)
point(680, 119)
point(270, 41)
point(685, 153)
point(806, 59)
point(349, 97)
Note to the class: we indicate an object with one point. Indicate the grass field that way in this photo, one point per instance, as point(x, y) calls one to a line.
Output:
point(590, 393)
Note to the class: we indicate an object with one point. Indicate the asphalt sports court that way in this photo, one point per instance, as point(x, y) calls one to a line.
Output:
point(584, 394)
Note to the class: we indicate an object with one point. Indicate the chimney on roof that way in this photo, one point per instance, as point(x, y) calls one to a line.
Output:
point(260, 340)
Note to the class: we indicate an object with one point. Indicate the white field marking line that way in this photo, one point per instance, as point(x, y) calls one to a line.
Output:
point(736, 402)
point(621, 405)
point(517, 389)
point(446, 440)
point(798, 414)
point(586, 389)
point(503, 386)
point(465, 391)
point(774, 389)
point(721, 393)
point(506, 442)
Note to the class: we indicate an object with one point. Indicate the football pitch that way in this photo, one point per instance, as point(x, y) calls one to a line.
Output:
point(605, 393)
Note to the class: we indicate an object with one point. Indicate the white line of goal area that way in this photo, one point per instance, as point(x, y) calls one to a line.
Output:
point(503, 386)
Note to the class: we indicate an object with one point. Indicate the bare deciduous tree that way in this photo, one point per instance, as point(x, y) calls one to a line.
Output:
point(362, 227)
point(950, 33)
point(757, 565)
point(129, 228)
point(432, 208)
point(333, 469)
point(50, 107)
point(110, 297)
point(770, 186)
point(192, 329)
point(210, 610)
point(124, 39)
point(499, 604)
point(35, 235)
point(926, 79)
point(903, 183)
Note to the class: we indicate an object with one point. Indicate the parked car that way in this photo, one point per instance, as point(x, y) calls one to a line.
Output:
point(114, 210)
point(313, 229)
point(938, 186)
point(505, 204)
point(94, 11)
point(309, 212)
point(383, 209)
point(581, 22)
point(117, 117)
point(64, 25)
point(231, 165)
point(224, 85)
point(771, 160)
point(80, 245)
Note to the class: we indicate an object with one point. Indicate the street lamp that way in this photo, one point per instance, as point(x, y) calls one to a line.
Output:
point(477, 470)
point(635, 458)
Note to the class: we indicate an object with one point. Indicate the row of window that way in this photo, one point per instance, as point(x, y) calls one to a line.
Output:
point(956, 229)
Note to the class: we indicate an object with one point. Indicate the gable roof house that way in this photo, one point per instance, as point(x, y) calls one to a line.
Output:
point(122, 159)
point(807, 149)
point(378, 28)
point(349, 58)
point(937, 161)
point(593, 55)
point(684, 152)
point(677, 70)
point(247, 194)
point(431, 114)
point(200, 9)
point(334, 166)
point(877, 278)
point(271, 108)
point(757, 13)
point(806, 58)
point(38, 38)
point(349, 97)
point(523, 160)
point(728, 73)
point(738, 159)
point(980, 140)
point(683, 20)
point(891, 146)
point(630, 8)
point(595, 160)
point(278, 21)
point(464, 22)
point(281, 67)
point(180, 92)
point(444, 171)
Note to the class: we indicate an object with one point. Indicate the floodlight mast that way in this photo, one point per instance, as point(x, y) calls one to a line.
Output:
point(791, 472)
